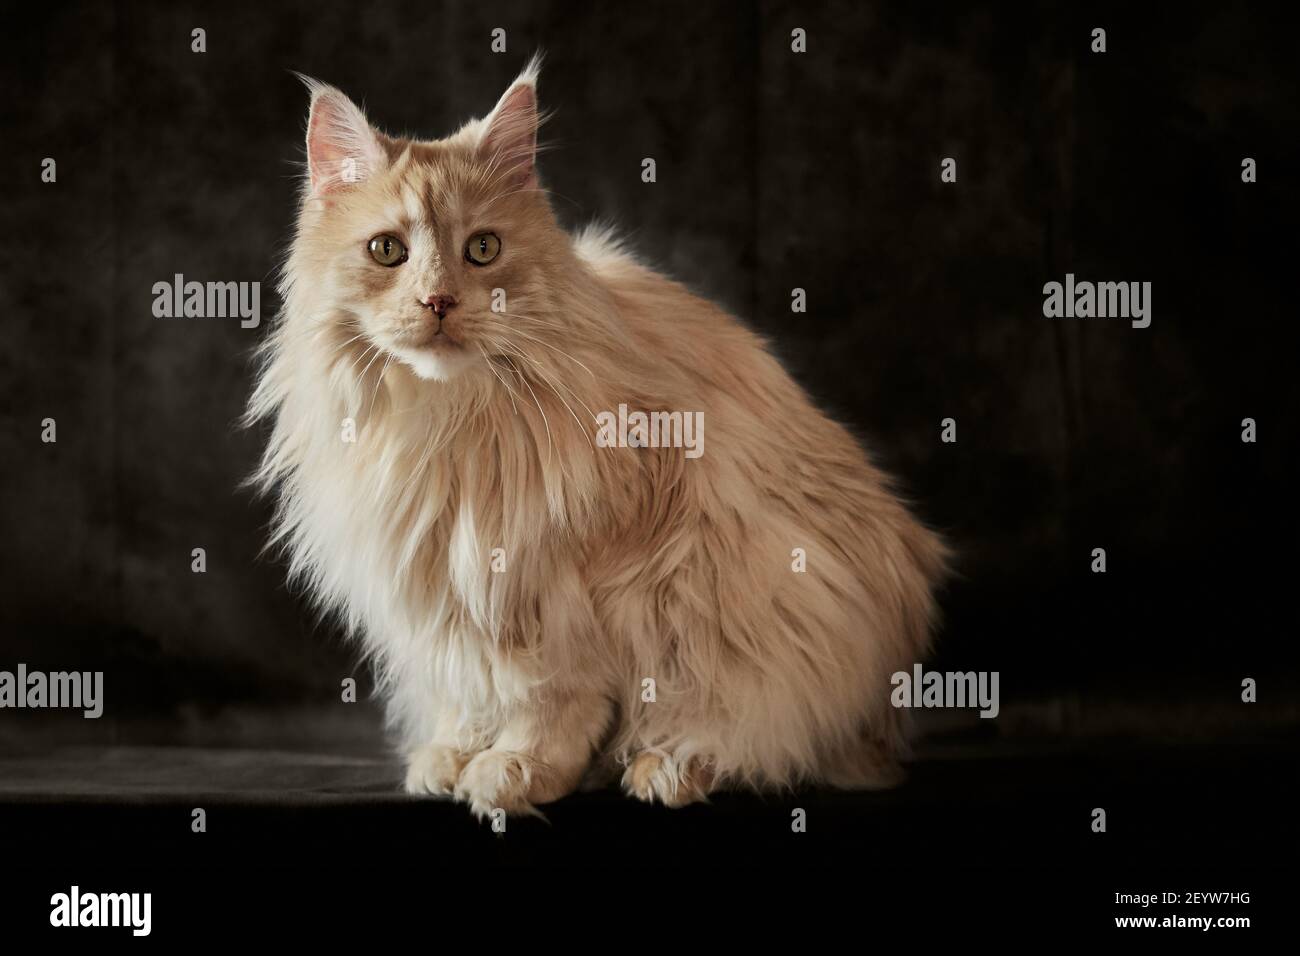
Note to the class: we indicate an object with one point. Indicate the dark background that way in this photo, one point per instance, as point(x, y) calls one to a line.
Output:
point(775, 170)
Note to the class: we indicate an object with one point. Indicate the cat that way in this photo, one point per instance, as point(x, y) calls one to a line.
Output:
point(543, 611)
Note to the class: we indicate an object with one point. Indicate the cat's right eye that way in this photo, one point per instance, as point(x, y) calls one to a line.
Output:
point(388, 250)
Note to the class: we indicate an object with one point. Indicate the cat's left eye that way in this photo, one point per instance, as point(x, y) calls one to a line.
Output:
point(483, 248)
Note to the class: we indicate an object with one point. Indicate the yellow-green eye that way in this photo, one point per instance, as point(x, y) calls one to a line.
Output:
point(482, 249)
point(388, 250)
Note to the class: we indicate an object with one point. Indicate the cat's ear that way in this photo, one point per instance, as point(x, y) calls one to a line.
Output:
point(342, 148)
point(509, 138)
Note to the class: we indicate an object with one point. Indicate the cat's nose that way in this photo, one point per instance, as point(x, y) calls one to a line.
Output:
point(441, 303)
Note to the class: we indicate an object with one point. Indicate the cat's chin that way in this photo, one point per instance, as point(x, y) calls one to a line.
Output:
point(434, 366)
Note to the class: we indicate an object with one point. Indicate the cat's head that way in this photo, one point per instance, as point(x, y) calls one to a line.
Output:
point(431, 252)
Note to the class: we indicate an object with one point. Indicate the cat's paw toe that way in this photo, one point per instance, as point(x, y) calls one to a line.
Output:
point(434, 770)
point(496, 780)
point(657, 776)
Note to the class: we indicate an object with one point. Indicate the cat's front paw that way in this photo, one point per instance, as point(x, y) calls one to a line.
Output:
point(496, 780)
point(434, 769)
point(658, 776)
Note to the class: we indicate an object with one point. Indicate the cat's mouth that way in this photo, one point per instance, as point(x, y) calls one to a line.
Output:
point(439, 341)
point(435, 356)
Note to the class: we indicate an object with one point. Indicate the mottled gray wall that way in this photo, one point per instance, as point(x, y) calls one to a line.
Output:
point(775, 170)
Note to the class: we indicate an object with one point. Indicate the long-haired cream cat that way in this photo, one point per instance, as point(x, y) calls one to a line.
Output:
point(542, 603)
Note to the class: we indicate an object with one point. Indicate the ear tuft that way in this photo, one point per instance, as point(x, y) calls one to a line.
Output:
point(509, 139)
point(342, 147)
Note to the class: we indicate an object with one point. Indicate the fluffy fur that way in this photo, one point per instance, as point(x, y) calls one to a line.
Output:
point(507, 687)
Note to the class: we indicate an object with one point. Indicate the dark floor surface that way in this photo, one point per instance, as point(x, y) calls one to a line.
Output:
point(1230, 798)
point(1007, 827)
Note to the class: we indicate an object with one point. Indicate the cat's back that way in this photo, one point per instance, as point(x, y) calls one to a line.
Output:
point(671, 325)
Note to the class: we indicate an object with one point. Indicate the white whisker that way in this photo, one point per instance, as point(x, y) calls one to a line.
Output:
point(547, 381)
point(550, 442)
point(367, 368)
point(364, 352)
point(540, 342)
point(492, 368)
point(378, 382)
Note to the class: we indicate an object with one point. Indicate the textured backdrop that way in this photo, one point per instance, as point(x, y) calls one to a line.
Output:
point(775, 170)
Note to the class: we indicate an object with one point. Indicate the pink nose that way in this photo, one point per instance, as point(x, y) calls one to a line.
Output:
point(440, 303)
